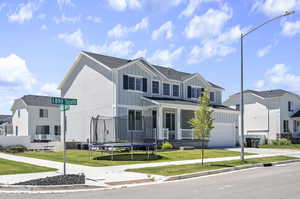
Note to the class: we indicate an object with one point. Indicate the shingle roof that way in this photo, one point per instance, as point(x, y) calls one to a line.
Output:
point(37, 100)
point(297, 114)
point(114, 62)
point(166, 100)
point(269, 93)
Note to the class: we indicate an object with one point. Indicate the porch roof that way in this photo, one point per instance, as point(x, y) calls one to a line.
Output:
point(296, 115)
point(174, 101)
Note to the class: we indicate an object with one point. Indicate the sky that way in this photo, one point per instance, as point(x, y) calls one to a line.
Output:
point(40, 39)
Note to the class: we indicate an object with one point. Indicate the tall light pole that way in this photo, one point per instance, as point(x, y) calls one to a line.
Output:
point(243, 35)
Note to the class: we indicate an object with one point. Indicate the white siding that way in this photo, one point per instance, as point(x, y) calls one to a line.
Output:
point(20, 122)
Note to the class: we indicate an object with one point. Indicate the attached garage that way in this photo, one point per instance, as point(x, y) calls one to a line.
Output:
point(223, 135)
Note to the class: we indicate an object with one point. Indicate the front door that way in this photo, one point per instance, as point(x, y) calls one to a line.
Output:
point(170, 124)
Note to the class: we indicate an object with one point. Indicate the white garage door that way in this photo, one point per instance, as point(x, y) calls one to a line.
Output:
point(223, 135)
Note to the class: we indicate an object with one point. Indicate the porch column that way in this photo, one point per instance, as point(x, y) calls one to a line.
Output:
point(179, 135)
point(160, 123)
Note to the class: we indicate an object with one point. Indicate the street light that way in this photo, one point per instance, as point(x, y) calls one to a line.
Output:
point(287, 13)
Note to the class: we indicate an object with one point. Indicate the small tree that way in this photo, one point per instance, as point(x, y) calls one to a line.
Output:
point(202, 123)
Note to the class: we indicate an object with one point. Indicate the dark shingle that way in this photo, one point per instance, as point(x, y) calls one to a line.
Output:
point(269, 93)
point(114, 62)
point(37, 100)
point(297, 114)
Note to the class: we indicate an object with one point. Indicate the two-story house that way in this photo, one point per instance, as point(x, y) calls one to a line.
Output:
point(37, 117)
point(145, 98)
point(270, 114)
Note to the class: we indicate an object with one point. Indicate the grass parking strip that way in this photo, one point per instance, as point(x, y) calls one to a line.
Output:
point(173, 170)
point(12, 167)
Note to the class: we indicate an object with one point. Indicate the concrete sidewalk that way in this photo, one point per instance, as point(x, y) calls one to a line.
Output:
point(100, 175)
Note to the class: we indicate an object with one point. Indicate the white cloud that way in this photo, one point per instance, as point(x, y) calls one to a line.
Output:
point(2, 5)
point(94, 19)
point(264, 51)
point(44, 27)
point(115, 48)
point(65, 3)
point(218, 46)
point(42, 16)
point(50, 89)
point(166, 57)
point(165, 31)
point(209, 24)
point(120, 31)
point(121, 5)
point(290, 29)
point(75, 39)
point(64, 19)
point(279, 76)
point(24, 12)
point(140, 53)
point(14, 72)
point(192, 6)
point(274, 7)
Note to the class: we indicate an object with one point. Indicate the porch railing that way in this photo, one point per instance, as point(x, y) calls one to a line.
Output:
point(187, 134)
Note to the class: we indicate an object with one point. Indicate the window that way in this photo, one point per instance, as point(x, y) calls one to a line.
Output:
point(285, 126)
point(176, 90)
point(155, 87)
point(154, 119)
point(43, 113)
point(170, 121)
point(17, 131)
point(134, 83)
point(19, 113)
point(135, 120)
point(237, 107)
point(290, 106)
point(57, 130)
point(212, 96)
point(196, 92)
point(42, 130)
point(166, 89)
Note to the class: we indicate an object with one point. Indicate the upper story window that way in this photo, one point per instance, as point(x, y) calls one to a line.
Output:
point(155, 87)
point(194, 92)
point(43, 113)
point(166, 89)
point(134, 83)
point(290, 106)
point(212, 96)
point(176, 90)
point(19, 113)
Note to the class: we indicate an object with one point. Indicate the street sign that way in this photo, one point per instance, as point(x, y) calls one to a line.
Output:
point(66, 101)
point(64, 107)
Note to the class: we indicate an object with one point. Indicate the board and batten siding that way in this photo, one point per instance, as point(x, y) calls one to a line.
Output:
point(92, 85)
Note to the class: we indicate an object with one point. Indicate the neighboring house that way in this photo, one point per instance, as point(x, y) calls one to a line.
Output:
point(37, 117)
point(272, 114)
point(145, 98)
point(5, 125)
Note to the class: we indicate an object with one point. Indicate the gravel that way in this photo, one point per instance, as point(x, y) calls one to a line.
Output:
point(56, 180)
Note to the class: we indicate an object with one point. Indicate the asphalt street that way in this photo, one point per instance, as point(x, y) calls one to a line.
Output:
point(271, 182)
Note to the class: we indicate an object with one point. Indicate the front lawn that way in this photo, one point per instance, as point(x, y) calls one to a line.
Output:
point(12, 167)
point(193, 168)
point(103, 159)
point(273, 146)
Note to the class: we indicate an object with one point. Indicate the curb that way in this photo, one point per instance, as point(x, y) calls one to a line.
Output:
point(237, 168)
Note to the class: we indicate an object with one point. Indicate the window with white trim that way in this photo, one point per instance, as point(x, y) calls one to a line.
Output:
point(285, 126)
point(196, 92)
point(155, 87)
point(135, 83)
point(135, 120)
point(166, 89)
point(43, 113)
point(212, 96)
point(42, 130)
point(175, 90)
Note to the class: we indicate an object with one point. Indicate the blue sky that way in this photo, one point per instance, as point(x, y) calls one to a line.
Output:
point(41, 38)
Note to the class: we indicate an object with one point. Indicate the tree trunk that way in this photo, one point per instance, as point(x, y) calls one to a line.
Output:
point(202, 151)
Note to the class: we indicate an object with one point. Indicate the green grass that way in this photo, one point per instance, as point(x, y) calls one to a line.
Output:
point(12, 167)
point(272, 146)
point(193, 168)
point(82, 157)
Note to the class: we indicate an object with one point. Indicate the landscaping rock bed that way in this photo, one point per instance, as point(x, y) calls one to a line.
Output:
point(56, 180)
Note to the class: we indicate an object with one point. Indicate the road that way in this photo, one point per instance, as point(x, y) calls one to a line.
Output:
point(272, 182)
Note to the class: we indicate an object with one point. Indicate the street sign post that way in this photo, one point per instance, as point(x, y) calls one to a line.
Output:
point(64, 106)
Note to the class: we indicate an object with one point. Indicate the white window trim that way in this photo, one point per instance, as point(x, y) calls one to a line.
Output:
point(165, 119)
point(162, 89)
point(178, 90)
point(142, 84)
point(159, 87)
point(214, 101)
point(135, 110)
point(193, 98)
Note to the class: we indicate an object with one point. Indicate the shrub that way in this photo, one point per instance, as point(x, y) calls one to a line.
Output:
point(281, 142)
point(15, 149)
point(167, 145)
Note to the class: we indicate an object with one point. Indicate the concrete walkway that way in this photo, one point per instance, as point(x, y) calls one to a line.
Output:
point(100, 175)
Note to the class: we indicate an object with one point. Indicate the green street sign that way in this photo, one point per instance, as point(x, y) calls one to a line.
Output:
point(64, 107)
point(65, 101)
